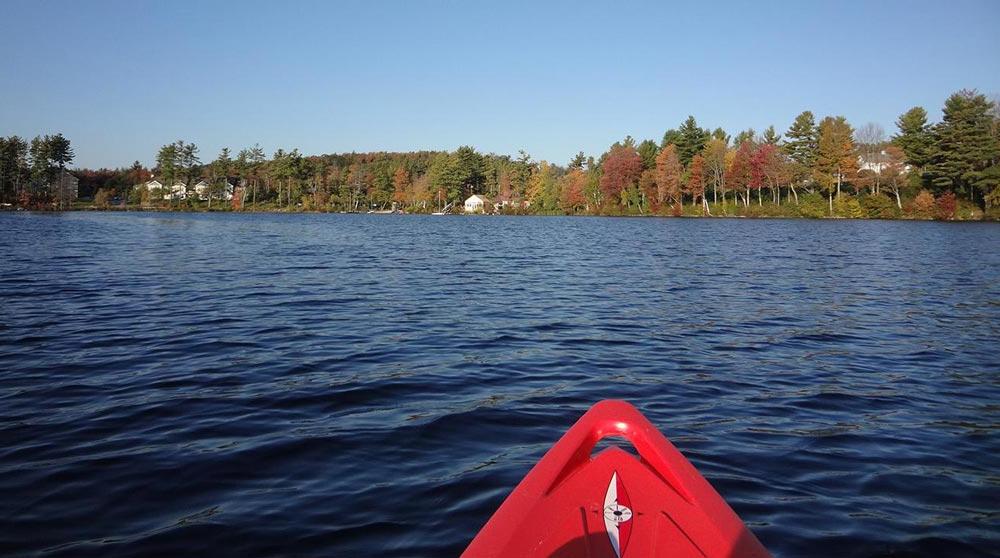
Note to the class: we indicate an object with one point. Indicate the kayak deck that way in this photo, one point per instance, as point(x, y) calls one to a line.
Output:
point(614, 504)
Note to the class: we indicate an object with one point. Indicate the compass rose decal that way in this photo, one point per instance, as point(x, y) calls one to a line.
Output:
point(617, 515)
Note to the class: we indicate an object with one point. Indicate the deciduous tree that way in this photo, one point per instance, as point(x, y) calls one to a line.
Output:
point(738, 175)
point(835, 158)
point(622, 168)
point(668, 176)
point(695, 186)
point(572, 197)
point(715, 167)
point(401, 185)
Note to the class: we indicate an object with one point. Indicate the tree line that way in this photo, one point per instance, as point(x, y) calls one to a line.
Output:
point(816, 168)
point(28, 168)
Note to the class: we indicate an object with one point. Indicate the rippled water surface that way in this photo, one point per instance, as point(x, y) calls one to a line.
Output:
point(344, 385)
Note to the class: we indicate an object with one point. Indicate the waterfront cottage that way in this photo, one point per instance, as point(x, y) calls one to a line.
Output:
point(477, 204)
point(177, 192)
point(203, 187)
point(201, 190)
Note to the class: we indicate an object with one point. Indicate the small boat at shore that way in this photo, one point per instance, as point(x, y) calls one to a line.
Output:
point(614, 504)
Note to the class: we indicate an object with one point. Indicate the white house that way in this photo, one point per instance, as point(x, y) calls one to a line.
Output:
point(878, 163)
point(874, 164)
point(476, 204)
point(153, 185)
point(202, 189)
point(177, 192)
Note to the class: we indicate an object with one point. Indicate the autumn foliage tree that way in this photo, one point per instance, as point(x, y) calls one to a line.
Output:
point(945, 207)
point(738, 175)
point(924, 205)
point(622, 169)
point(835, 158)
point(571, 195)
point(695, 186)
point(894, 172)
point(401, 185)
point(668, 176)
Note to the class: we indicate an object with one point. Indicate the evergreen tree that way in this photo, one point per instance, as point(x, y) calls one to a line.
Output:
point(166, 164)
point(802, 140)
point(188, 160)
point(648, 150)
point(60, 151)
point(721, 135)
point(800, 145)
point(41, 159)
point(965, 150)
point(14, 169)
point(469, 166)
point(691, 141)
point(746, 136)
point(670, 136)
point(771, 137)
point(914, 137)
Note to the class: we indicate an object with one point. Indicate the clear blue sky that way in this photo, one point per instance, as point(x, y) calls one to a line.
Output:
point(121, 78)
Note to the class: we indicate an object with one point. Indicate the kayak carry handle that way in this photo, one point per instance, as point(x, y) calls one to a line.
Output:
point(616, 418)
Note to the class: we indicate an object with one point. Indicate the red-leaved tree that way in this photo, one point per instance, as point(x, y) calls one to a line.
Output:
point(622, 169)
point(946, 205)
point(695, 186)
point(738, 173)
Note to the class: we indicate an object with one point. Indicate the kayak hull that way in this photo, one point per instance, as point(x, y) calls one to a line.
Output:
point(614, 504)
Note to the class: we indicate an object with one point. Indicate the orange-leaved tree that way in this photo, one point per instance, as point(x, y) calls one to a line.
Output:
point(622, 169)
point(668, 176)
point(695, 186)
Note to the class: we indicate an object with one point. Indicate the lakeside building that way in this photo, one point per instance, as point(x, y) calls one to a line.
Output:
point(203, 188)
point(178, 191)
point(477, 204)
point(876, 164)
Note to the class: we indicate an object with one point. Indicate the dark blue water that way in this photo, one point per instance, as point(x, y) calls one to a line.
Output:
point(336, 385)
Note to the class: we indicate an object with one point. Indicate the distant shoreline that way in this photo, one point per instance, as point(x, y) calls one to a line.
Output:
point(285, 211)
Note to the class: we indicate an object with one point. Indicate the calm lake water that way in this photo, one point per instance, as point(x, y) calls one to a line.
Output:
point(351, 385)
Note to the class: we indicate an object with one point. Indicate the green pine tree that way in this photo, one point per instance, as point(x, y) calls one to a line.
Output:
point(771, 137)
point(691, 140)
point(914, 137)
point(964, 148)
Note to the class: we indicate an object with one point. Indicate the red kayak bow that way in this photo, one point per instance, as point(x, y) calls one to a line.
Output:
point(614, 504)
